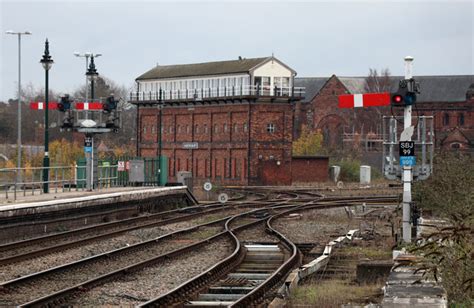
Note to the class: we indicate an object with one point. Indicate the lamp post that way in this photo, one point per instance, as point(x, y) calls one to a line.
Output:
point(87, 55)
point(47, 62)
point(92, 75)
point(160, 145)
point(19, 34)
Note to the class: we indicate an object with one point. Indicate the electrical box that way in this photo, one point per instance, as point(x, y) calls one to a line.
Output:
point(334, 173)
point(185, 178)
point(137, 171)
point(365, 175)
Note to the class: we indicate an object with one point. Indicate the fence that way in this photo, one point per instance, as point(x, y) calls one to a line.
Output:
point(196, 94)
point(25, 181)
point(29, 181)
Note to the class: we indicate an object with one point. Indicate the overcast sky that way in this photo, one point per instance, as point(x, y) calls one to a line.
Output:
point(315, 38)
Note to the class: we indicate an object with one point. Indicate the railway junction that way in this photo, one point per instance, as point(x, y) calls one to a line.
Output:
point(160, 247)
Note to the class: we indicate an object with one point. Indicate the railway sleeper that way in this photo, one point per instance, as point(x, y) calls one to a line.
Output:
point(258, 265)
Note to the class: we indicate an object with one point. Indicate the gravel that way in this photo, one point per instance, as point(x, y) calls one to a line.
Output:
point(155, 280)
point(22, 268)
point(50, 283)
point(256, 234)
point(316, 226)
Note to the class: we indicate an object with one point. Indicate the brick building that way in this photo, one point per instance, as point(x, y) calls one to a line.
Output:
point(230, 122)
point(449, 99)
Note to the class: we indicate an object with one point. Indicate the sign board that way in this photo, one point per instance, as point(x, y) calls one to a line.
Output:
point(207, 186)
point(120, 165)
point(190, 145)
point(88, 142)
point(407, 160)
point(88, 149)
point(407, 148)
point(127, 165)
point(223, 198)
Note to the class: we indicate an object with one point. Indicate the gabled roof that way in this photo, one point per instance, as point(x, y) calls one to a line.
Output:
point(433, 88)
point(312, 86)
point(203, 69)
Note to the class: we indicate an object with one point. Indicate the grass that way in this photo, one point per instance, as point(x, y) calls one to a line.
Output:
point(333, 293)
point(372, 253)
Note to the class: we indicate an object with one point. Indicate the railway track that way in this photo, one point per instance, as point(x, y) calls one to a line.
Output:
point(58, 282)
point(26, 249)
point(234, 289)
point(81, 275)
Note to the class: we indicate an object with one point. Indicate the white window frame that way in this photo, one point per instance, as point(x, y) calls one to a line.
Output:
point(271, 128)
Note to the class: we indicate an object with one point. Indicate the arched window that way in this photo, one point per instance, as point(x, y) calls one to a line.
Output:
point(461, 119)
point(446, 119)
point(196, 130)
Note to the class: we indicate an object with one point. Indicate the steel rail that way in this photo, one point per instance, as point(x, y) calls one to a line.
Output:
point(58, 298)
point(192, 286)
point(27, 242)
point(107, 255)
point(257, 295)
point(76, 243)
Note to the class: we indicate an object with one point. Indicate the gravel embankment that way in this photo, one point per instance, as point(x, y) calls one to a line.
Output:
point(154, 281)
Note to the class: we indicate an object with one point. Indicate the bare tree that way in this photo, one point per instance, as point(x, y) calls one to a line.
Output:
point(375, 83)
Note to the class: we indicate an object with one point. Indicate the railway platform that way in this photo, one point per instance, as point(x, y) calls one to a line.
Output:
point(37, 213)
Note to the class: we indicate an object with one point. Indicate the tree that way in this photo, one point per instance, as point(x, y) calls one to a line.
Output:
point(449, 252)
point(375, 83)
point(309, 143)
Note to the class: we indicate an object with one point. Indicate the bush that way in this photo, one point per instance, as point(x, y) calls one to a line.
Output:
point(449, 253)
point(350, 170)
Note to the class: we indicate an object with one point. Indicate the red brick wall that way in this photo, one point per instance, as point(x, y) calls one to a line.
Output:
point(309, 169)
point(270, 173)
point(222, 132)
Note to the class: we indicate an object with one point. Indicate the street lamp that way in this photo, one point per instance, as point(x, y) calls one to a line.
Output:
point(47, 62)
point(19, 99)
point(92, 75)
point(87, 55)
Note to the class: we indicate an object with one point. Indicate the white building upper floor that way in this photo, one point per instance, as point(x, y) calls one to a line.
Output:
point(256, 76)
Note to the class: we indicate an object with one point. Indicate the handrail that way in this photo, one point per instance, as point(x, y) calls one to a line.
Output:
point(202, 93)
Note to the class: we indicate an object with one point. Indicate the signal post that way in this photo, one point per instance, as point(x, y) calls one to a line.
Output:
point(404, 97)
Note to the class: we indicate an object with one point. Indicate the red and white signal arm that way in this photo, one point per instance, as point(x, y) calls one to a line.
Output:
point(89, 106)
point(42, 105)
point(364, 100)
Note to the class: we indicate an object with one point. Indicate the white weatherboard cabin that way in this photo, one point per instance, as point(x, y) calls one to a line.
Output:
point(257, 76)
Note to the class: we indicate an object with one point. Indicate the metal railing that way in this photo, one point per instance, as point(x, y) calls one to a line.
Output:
point(29, 180)
point(234, 91)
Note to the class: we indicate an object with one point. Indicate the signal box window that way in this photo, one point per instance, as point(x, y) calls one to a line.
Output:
point(270, 128)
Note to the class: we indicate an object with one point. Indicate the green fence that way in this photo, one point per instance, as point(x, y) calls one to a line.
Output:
point(115, 172)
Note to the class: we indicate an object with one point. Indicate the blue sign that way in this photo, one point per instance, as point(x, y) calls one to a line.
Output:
point(88, 149)
point(407, 160)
